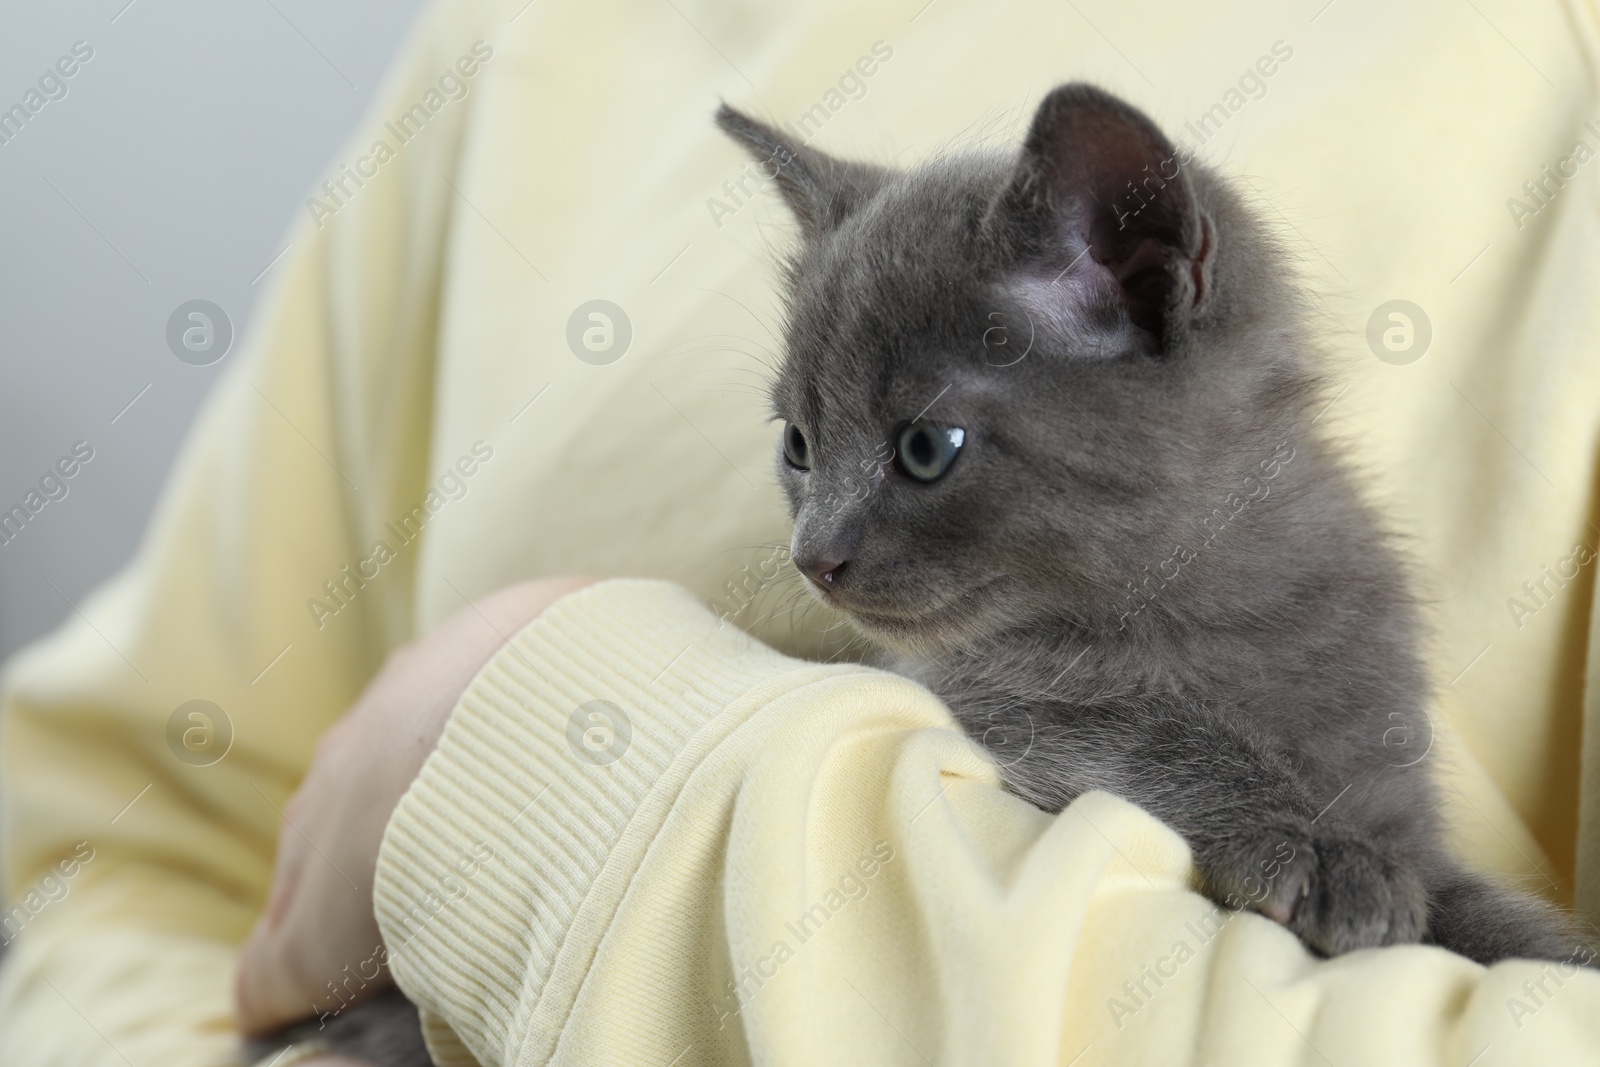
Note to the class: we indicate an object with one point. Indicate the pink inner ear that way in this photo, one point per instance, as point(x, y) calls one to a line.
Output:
point(1080, 306)
point(1197, 265)
point(1149, 252)
point(1093, 201)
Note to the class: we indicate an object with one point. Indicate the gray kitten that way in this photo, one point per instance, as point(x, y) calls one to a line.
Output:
point(1048, 439)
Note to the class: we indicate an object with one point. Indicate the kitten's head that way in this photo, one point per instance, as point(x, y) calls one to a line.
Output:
point(1011, 382)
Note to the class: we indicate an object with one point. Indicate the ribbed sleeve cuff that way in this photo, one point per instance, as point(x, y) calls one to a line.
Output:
point(513, 846)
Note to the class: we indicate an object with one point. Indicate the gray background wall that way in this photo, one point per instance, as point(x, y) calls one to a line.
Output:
point(168, 172)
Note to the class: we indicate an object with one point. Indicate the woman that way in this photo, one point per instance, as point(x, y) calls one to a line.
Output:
point(523, 333)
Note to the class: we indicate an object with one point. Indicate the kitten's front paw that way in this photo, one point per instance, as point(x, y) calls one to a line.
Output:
point(1358, 896)
point(1336, 891)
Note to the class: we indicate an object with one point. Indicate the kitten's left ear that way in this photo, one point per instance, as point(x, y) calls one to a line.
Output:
point(821, 191)
point(1099, 195)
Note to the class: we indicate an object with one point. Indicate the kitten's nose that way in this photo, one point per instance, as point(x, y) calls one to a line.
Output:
point(822, 570)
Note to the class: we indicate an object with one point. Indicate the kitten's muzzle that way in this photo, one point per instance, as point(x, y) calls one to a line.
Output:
point(822, 549)
point(823, 570)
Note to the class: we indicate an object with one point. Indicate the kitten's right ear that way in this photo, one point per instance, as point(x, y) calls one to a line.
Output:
point(821, 191)
point(1100, 205)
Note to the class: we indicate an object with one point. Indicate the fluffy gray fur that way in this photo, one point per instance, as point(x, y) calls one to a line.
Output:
point(384, 1031)
point(1144, 571)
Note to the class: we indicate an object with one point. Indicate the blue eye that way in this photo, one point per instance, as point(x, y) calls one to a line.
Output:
point(925, 452)
point(795, 449)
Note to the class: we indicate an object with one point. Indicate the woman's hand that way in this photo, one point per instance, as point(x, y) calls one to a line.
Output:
point(318, 929)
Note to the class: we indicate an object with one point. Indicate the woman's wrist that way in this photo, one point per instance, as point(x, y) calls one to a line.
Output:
point(319, 921)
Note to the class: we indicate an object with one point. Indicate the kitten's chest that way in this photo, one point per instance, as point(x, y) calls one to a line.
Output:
point(1052, 690)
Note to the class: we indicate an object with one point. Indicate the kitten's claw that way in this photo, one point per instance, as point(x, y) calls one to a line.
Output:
point(1280, 905)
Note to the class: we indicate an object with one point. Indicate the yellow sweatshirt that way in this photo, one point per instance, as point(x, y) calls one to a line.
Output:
point(684, 845)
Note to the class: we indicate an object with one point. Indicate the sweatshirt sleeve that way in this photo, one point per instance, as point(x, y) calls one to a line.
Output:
point(645, 838)
point(506, 862)
point(150, 743)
